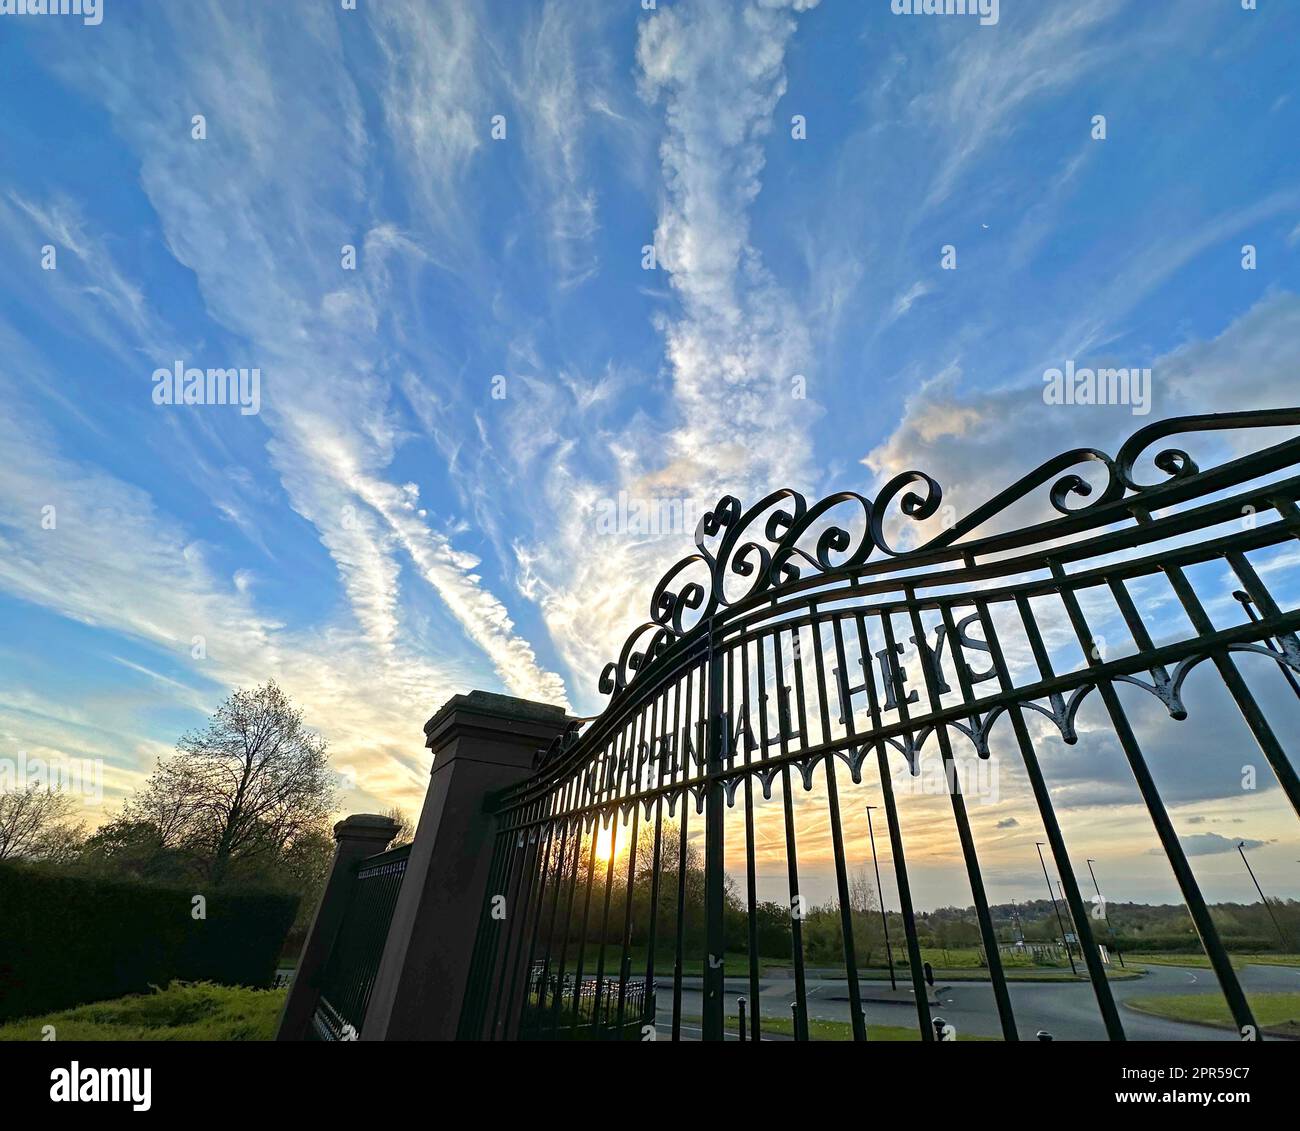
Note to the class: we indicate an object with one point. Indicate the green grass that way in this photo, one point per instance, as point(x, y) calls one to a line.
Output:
point(955, 964)
point(1201, 962)
point(184, 1011)
point(1114, 973)
point(819, 1030)
point(1276, 1013)
point(951, 959)
point(737, 962)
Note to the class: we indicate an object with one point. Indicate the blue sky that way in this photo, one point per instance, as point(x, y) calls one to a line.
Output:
point(385, 531)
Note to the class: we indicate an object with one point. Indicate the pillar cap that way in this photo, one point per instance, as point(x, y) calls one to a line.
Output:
point(486, 710)
point(367, 826)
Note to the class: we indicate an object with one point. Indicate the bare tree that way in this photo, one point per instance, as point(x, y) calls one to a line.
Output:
point(37, 824)
point(242, 789)
point(862, 892)
point(167, 808)
point(405, 828)
point(868, 927)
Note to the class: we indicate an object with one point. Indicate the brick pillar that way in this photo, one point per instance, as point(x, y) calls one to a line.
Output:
point(481, 743)
point(357, 837)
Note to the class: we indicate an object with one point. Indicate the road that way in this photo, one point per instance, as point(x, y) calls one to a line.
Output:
point(1066, 1010)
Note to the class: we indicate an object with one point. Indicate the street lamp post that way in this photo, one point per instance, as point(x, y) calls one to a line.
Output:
point(1105, 910)
point(1060, 890)
point(1069, 951)
point(1286, 945)
point(880, 893)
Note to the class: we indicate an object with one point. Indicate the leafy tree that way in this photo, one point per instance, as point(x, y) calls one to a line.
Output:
point(135, 848)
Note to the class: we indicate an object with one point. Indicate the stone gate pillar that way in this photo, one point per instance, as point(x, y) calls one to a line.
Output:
point(481, 743)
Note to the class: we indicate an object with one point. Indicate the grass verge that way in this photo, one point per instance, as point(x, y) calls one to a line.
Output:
point(819, 1030)
point(1278, 1014)
point(1201, 962)
point(184, 1011)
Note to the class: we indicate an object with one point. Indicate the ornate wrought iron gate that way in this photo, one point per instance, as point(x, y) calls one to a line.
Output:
point(798, 645)
point(349, 973)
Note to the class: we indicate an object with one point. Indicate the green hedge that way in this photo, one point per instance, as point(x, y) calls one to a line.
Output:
point(67, 939)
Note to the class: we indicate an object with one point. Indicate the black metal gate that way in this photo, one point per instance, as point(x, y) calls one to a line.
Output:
point(798, 645)
point(349, 974)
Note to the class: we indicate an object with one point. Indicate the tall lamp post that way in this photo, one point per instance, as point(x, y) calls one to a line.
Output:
point(880, 892)
point(1069, 951)
point(1286, 945)
point(1105, 910)
point(1060, 890)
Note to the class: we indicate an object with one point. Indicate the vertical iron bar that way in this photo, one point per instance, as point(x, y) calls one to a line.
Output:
point(920, 991)
point(586, 922)
point(558, 1004)
point(880, 896)
point(1271, 643)
point(517, 912)
point(1187, 884)
point(655, 866)
point(472, 1014)
point(837, 843)
point(800, 1004)
point(714, 877)
point(623, 739)
point(1043, 798)
point(625, 959)
point(996, 975)
point(526, 1005)
point(685, 799)
point(751, 873)
point(560, 866)
point(646, 726)
point(1232, 678)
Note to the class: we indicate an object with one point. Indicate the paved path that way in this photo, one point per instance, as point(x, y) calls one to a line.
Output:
point(1067, 1010)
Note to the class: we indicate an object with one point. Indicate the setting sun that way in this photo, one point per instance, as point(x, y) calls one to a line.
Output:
point(607, 843)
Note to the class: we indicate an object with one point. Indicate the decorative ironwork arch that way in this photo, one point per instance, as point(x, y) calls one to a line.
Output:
point(797, 636)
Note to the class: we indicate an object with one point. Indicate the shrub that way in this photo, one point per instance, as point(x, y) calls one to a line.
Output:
point(181, 1012)
point(66, 939)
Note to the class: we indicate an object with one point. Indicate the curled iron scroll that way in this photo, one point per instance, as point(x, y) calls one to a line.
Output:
point(728, 548)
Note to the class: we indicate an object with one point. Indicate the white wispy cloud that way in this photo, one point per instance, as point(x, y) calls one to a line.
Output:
point(733, 350)
point(905, 301)
point(112, 562)
point(86, 282)
point(264, 250)
point(434, 100)
point(312, 326)
point(557, 85)
point(991, 78)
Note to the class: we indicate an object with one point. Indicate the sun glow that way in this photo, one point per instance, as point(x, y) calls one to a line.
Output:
point(607, 843)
